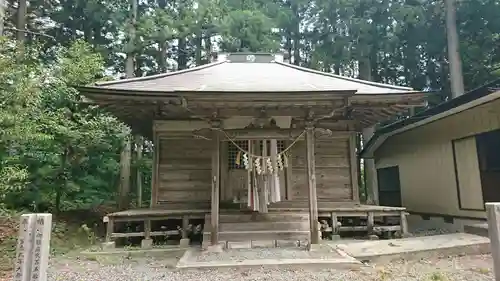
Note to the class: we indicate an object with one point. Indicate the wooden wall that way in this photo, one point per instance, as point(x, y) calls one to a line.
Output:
point(185, 170)
point(333, 175)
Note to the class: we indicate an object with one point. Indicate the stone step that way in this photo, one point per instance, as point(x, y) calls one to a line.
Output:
point(260, 217)
point(263, 226)
point(241, 236)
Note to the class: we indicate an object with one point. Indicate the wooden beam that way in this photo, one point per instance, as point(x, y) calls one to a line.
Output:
point(354, 168)
point(311, 176)
point(214, 218)
point(252, 134)
point(260, 134)
point(284, 134)
point(256, 109)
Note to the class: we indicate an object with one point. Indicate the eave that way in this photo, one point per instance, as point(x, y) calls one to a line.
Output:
point(139, 109)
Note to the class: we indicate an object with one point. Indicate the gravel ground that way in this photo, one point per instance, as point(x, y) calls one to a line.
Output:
point(467, 268)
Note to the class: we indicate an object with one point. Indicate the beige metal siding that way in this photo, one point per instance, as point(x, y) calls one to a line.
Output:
point(425, 159)
point(467, 173)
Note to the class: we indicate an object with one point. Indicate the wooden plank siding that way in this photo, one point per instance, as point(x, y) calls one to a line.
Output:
point(185, 172)
point(333, 175)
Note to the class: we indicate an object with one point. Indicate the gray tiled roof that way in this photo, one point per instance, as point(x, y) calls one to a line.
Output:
point(229, 76)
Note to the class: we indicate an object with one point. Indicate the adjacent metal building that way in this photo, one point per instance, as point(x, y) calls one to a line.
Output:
point(444, 161)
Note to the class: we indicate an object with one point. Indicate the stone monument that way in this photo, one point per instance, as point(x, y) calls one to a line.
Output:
point(33, 247)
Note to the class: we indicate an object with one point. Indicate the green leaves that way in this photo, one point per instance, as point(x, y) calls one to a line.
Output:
point(248, 30)
point(79, 65)
point(51, 145)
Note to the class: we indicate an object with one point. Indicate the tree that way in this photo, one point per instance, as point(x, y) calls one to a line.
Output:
point(456, 77)
point(22, 7)
point(52, 148)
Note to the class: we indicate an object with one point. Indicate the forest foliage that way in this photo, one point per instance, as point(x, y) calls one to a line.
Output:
point(57, 152)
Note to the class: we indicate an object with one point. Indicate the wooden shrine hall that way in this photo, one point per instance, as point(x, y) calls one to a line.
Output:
point(263, 152)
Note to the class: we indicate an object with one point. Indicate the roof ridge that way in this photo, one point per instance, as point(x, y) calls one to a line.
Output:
point(161, 75)
point(370, 83)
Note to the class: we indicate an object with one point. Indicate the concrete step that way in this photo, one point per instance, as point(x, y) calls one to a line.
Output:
point(265, 226)
point(480, 229)
point(260, 217)
point(241, 236)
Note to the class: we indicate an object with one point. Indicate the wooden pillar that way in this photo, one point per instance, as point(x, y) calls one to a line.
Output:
point(335, 222)
point(311, 176)
point(156, 169)
point(493, 214)
point(353, 163)
point(185, 225)
point(138, 174)
point(214, 219)
point(147, 229)
point(370, 171)
point(370, 223)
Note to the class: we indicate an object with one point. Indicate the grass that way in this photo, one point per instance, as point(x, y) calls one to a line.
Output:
point(438, 276)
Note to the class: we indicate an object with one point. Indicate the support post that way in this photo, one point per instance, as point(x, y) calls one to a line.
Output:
point(156, 169)
point(185, 238)
point(214, 219)
point(353, 163)
point(138, 174)
point(147, 242)
point(493, 214)
point(311, 176)
point(370, 171)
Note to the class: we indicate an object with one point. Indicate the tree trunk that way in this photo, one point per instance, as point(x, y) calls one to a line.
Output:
point(21, 20)
point(163, 57)
point(163, 45)
point(370, 173)
point(125, 157)
point(296, 34)
point(130, 67)
point(456, 77)
point(64, 181)
point(199, 40)
point(182, 54)
point(2, 16)
point(208, 47)
point(124, 201)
